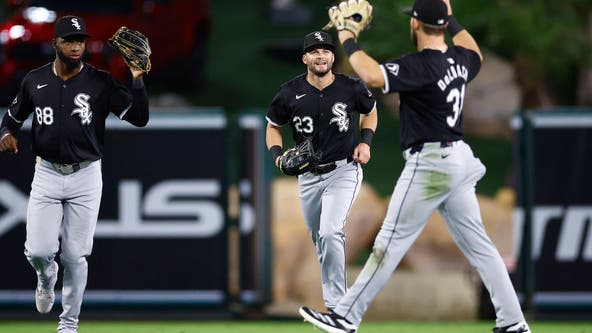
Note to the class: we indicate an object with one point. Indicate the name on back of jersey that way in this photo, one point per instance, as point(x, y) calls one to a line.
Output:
point(453, 72)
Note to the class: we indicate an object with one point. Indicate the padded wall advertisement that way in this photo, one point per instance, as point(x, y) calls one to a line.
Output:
point(161, 235)
point(561, 216)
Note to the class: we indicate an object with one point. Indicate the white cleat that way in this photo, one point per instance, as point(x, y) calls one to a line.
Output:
point(44, 298)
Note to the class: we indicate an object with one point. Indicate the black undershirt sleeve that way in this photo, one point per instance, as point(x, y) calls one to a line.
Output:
point(138, 114)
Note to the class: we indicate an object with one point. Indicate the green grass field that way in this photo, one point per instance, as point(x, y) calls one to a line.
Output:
point(283, 327)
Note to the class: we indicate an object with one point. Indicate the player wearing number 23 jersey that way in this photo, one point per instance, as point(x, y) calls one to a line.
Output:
point(321, 105)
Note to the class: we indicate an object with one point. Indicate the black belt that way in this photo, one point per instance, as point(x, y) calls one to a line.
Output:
point(328, 167)
point(416, 148)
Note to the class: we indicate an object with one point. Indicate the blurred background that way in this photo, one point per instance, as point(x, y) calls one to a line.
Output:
point(195, 219)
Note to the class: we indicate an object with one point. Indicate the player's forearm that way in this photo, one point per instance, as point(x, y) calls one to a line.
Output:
point(467, 41)
point(273, 139)
point(9, 125)
point(138, 113)
point(273, 136)
point(460, 36)
point(370, 120)
point(365, 66)
point(367, 69)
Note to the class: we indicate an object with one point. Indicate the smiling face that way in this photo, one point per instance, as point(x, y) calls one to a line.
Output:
point(319, 61)
point(70, 49)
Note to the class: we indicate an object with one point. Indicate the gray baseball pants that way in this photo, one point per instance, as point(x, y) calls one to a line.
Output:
point(440, 179)
point(66, 207)
point(326, 201)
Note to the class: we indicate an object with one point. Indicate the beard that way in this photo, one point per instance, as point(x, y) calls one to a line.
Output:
point(312, 69)
point(70, 63)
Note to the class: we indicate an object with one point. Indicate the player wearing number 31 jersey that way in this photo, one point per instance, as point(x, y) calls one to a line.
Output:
point(431, 86)
point(440, 171)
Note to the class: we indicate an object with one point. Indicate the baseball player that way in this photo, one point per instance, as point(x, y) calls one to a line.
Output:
point(321, 104)
point(440, 172)
point(69, 100)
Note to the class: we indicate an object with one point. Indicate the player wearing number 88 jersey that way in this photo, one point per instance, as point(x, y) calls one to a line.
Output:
point(70, 101)
point(440, 172)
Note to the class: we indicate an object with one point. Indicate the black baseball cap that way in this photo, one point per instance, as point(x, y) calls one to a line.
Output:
point(70, 25)
point(318, 38)
point(434, 12)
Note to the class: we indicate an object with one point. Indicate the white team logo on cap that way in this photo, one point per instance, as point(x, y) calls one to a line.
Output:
point(319, 36)
point(75, 23)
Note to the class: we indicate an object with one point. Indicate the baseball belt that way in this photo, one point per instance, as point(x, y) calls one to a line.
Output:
point(328, 167)
point(66, 169)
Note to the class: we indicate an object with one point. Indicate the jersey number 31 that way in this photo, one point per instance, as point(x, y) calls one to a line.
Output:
point(457, 98)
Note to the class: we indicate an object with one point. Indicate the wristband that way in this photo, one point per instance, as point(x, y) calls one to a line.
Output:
point(350, 47)
point(366, 136)
point(453, 27)
point(275, 151)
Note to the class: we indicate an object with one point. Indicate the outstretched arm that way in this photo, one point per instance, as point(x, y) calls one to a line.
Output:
point(138, 114)
point(365, 66)
point(461, 36)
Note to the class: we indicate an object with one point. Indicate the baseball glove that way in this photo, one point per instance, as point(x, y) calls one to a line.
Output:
point(299, 159)
point(352, 15)
point(133, 47)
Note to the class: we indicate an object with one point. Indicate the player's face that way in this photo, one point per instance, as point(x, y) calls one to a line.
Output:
point(70, 50)
point(319, 61)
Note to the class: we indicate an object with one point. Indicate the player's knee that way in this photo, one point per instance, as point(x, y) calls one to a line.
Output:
point(69, 257)
point(39, 254)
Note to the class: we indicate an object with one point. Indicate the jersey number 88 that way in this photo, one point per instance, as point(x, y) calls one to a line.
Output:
point(44, 116)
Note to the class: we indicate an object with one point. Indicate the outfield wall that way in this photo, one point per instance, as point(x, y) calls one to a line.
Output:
point(553, 220)
point(163, 231)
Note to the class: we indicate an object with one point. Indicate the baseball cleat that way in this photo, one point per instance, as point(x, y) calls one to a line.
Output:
point(329, 322)
point(521, 327)
point(44, 298)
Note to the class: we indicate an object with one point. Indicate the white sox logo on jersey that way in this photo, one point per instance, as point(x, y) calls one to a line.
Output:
point(340, 118)
point(75, 23)
point(83, 110)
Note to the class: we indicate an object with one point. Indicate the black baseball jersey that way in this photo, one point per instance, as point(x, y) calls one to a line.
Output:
point(327, 116)
point(69, 116)
point(432, 86)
